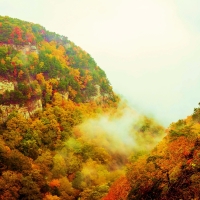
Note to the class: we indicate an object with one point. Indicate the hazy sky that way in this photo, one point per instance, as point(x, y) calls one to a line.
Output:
point(149, 49)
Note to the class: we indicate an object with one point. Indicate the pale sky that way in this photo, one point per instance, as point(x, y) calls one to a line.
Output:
point(149, 49)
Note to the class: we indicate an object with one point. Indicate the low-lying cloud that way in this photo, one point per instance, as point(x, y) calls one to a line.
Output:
point(122, 132)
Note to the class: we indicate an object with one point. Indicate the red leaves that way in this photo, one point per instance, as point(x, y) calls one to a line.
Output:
point(42, 32)
point(71, 177)
point(15, 72)
point(29, 37)
point(186, 153)
point(189, 161)
point(16, 34)
point(119, 189)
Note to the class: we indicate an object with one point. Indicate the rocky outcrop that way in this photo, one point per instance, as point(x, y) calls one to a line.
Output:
point(99, 97)
point(27, 48)
point(24, 48)
point(34, 106)
point(65, 95)
point(26, 111)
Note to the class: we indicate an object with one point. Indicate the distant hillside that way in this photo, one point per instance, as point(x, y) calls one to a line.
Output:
point(172, 169)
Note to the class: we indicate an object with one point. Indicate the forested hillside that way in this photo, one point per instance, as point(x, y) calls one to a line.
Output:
point(42, 63)
point(63, 132)
point(172, 169)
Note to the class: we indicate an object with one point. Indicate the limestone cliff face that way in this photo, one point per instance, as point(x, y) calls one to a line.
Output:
point(24, 48)
point(99, 97)
point(27, 110)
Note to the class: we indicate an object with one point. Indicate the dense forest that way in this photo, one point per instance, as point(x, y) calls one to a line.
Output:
point(84, 142)
point(170, 171)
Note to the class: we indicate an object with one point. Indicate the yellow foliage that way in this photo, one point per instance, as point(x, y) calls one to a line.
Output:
point(53, 81)
point(72, 92)
point(189, 120)
point(95, 172)
point(41, 64)
point(49, 88)
point(57, 99)
point(51, 197)
point(34, 56)
point(196, 128)
point(16, 61)
point(58, 53)
point(8, 58)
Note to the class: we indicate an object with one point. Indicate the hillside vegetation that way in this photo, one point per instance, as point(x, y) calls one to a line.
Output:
point(42, 63)
point(64, 133)
point(172, 169)
point(70, 146)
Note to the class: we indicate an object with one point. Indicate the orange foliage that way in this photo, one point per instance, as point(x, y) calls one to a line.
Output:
point(3, 61)
point(40, 77)
point(30, 37)
point(119, 190)
point(72, 92)
point(54, 183)
point(20, 74)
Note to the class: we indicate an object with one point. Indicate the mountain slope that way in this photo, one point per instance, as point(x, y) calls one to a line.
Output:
point(63, 132)
point(172, 169)
point(48, 85)
point(29, 52)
